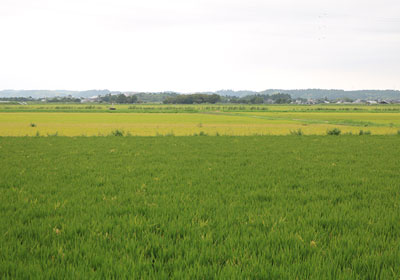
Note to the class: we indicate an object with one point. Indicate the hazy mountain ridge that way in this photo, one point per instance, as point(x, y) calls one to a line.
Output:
point(51, 93)
point(295, 93)
point(338, 94)
point(319, 93)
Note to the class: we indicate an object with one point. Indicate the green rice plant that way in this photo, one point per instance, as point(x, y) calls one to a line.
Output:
point(262, 207)
point(117, 132)
point(297, 132)
point(362, 132)
point(334, 131)
point(32, 125)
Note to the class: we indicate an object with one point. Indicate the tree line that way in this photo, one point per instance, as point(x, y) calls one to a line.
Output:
point(196, 98)
point(118, 98)
point(277, 98)
point(169, 98)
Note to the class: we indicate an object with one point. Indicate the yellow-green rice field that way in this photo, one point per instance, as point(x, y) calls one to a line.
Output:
point(151, 120)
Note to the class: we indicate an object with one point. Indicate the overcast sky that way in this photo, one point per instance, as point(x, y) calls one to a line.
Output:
point(188, 45)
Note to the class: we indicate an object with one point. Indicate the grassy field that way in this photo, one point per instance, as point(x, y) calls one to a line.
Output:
point(182, 108)
point(185, 120)
point(270, 207)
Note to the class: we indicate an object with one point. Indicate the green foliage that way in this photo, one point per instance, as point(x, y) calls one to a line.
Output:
point(66, 99)
point(118, 98)
point(193, 99)
point(200, 207)
point(32, 125)
point(334, 131)
point(154, 97)
point(117, 132)
point(201, 133)
point(277, 98)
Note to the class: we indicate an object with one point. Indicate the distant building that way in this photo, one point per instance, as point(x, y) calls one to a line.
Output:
point(359, 101)
point(89, 99)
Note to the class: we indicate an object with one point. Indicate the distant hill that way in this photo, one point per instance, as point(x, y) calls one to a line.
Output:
point(337, 93)
point(319, 93)
point(331, 94)
point(52, 93)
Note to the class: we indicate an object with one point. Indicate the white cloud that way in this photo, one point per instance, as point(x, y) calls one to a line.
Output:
point(188, 45)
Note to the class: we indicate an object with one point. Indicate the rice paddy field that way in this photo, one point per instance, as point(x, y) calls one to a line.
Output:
point(228, 207)
point(186, 120)
point(244, 192)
